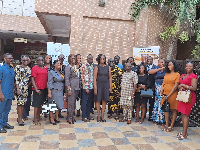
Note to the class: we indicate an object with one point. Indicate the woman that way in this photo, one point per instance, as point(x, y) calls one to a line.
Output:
point(159, 71)
point(23, 73)
point(39, 78)
point(78, 99)
point(102, 81)
point(143, 83)
point(28, 102)
point(72, 82)
point(55, 90)
point(188, 81)
point(169, 89)
point(113, 104)
point(48, 63)
point(133, 64)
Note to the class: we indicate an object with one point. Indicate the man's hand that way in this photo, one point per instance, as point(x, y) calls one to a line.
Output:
point(2, 98)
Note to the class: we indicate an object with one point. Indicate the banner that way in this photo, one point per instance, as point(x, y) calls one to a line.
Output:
point(140, 53)
point(55, 49)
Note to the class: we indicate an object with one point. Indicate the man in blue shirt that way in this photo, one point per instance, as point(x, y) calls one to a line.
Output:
point(116, 60)
point(7, 75)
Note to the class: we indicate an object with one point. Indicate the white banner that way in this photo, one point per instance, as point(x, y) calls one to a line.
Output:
point(55, 49)
point(139, 52)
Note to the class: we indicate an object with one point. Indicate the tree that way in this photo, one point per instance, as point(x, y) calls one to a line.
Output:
point(185, 24)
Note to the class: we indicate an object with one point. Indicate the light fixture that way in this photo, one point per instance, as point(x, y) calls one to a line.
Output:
point(102, 3)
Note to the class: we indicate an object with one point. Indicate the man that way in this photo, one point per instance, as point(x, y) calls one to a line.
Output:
point(128, 86)
point(143, 59)
point(87, 88)
point(61, 57)
point(116, 61)
point(150, 65)
point(7, 75)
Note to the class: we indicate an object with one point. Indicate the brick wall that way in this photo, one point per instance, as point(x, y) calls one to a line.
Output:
point(108, 29)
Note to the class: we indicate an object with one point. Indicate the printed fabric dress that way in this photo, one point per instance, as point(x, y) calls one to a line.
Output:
point(157, 114)
point(22, 76)
point(128, 80)
point(185, 108)
point(113, 104)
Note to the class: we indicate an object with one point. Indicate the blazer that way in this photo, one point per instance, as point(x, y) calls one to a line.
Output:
point(71, 79)
point(55, 80)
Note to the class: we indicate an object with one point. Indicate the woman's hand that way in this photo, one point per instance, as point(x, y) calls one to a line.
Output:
point(110, 90)
point(49, 95)
point(38, 92)
point(95, 91)
point(163, 97)
point(69, 93)
point(132, 96)
point(142, 86)
point(19, 92)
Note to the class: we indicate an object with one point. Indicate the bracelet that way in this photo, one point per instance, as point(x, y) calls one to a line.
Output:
point(69, 89)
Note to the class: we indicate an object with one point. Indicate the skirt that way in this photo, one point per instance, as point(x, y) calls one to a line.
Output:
point(38, 100)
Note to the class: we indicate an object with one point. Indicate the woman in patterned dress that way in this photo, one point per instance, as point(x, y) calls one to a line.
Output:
point(159, 71)
point(23, 73)
point(113, 106)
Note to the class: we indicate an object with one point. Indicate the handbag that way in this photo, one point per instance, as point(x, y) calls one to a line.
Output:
point(166, 106)
point(146, 93)
point(184, 96)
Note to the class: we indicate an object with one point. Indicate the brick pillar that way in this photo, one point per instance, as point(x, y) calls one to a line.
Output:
point(141, 29)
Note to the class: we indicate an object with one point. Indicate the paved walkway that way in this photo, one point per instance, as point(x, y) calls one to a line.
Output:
point(111, 135)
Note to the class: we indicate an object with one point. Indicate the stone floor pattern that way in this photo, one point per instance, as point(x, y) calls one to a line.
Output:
point(111, 135)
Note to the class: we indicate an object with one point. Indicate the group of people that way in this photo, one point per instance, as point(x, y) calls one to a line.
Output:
point(104, 83)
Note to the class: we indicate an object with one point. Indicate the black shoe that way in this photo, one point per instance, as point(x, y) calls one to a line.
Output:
point(60, 116)
point(2, 130)
point(53, 123)
point(57, 121)
point(8, 126)
point(21, 124)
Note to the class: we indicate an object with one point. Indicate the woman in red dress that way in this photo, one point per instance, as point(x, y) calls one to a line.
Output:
point(188, 81)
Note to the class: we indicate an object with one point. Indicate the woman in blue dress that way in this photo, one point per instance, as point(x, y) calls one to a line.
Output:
point(159, 71)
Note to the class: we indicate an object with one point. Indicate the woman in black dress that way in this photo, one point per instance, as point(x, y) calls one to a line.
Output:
point(102, 81)
point(143, 83)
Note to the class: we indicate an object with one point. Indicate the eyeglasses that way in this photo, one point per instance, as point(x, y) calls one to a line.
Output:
point(9, 58)
point(40, 60)
point(73, 58)
point(24, 60)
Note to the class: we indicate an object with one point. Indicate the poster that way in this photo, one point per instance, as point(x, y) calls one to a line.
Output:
point(140, 53)
point(55, 49)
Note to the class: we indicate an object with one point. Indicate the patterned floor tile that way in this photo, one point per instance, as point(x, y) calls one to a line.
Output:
point(82, 130)
point(99, 135)
point(111, 129)
point(159, 146)
point(138, 128)
point(109, 147)
point(90, 125)
point(152, 139)
point(115, 134)
point(130, 134)
point(9, 146)
point(71, 144)
point(96, 129)
point(120, 124)
point(125, 147)
point(50, 131)
point(66, 130)
point(32, 138)
point(34, 127)
point(103, 142)
point(120, 141)
point(13, 139)
point(67, 136)
point(2, 138)
point(61, 126)
point(88, 148)
point(136, 140)
point(144, 133)
point(178, 146)
point(143, 147)
point(159, 133)
point(192, 145)
point(86, 143)
point(125, 128)
point(84, 136)
point(29, 146)
point(52, 137)
point(49, 145)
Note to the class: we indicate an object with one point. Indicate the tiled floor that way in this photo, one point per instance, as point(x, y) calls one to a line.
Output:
point(111, 135)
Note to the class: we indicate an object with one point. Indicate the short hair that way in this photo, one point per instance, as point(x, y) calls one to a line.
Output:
point(176, 66)
point(127, 63)
point(39, 57)
point(89, 55)
point(6, 54)
point(133, 60)
point(149, 57)
point(99, 57)
point(138, 69)
point(117, 56)
point(69, 57)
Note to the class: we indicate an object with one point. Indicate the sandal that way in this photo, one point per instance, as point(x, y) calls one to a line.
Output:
point(165, 129)
point(116, 118)
point(181, 133)
point(181, 137)
point(98, 120)
point(170, 129)
point(137, 120)
point(36, 123)
point(109, 116)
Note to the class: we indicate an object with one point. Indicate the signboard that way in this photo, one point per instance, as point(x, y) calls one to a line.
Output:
point(140, 53)
point(23, 40)
point(55, 49)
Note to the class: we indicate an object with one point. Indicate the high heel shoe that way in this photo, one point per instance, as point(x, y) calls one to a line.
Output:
point(54, 123)
point(98, 120)
point(57, 121)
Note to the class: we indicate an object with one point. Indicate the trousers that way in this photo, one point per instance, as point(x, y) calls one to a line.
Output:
point(86, 102)
point(127, 112)
point(71, 104)
point(5, 107)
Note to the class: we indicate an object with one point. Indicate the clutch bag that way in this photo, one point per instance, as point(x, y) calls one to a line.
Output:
point(146, 93)
point(184, 96)
point(165, 106)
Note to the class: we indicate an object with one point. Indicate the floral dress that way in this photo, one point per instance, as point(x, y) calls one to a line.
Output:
point(113, 105)
point(22, 76)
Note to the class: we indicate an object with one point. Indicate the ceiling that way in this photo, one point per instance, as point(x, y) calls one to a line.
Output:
point(58, 25)
point(43, 38)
